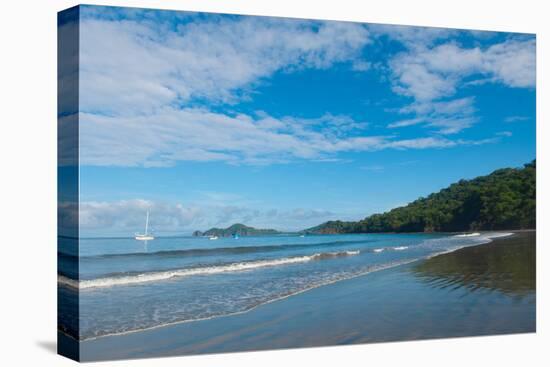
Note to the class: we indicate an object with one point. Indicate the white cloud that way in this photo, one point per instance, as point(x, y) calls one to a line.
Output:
point(411, 36)
point(422, 143)
point(428, 74)
point(505, 133)
point(195, 134)
point(452, 107)
point(452, 125)
point(131, 66)
point(136, 75)
point(512, 63)
point(128, 216)
point(516, 118)
point(447, 117)
point(417, 81)
point(200, 135)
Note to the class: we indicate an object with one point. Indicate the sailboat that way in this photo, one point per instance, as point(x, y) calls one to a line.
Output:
point(145, 236)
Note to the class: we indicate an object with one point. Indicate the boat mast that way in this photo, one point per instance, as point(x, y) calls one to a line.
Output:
point(147, 222)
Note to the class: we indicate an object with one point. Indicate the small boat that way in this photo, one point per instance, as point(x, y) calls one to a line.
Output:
point(213, 238)
point(302, 235)
point(145, 236)
point(235, 236)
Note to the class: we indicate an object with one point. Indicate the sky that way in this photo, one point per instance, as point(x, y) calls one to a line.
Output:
point(209, 120)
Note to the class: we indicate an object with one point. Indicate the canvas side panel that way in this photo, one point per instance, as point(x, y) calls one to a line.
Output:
point(68, 182)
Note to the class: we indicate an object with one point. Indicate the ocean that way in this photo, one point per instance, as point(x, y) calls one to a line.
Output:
point(126, 285)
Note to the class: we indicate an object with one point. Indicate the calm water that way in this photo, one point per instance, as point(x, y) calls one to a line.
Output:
point(508, 267)
point(127, 285)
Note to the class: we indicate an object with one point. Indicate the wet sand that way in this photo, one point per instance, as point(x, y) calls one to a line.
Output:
point(482, 290)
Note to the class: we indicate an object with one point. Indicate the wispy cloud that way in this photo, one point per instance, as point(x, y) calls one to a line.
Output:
point(407, 122)
point(516, 118)
point(447, 117)
point(505, 133)
point(372, 168)
point(193, 134)
point(411, 37)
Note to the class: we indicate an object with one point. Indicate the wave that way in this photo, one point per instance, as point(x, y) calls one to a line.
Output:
point(396, 248)
point(363, 272)
point(475, 234)
point(328, 255)
point(488, 235)
point(207, 270)
point(400, 248)
point(221, 250)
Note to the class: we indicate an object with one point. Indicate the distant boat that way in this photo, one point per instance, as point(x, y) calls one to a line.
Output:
point(213, 237)
point(145, 236)
point(302, 235)
point(236, 236)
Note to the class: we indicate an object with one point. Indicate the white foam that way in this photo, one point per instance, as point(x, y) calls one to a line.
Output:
point(474, 234)
point(169, 274)
point(351, 253)
point(378, 250)
point(367, 271)
point(67, 281)
point(497, 234)
point(400, 248)
point(483, 239)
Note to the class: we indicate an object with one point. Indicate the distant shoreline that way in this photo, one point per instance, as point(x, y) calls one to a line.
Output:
point(309, 234)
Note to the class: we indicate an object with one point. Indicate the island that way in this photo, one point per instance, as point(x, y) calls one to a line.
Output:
point(237, 229)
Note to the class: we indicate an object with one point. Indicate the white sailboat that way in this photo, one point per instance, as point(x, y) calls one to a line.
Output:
point(145, 236)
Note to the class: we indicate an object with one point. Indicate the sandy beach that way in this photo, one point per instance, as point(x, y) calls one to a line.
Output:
point(481, 290)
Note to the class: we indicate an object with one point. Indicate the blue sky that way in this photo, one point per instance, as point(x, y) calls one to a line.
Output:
point(208, 119)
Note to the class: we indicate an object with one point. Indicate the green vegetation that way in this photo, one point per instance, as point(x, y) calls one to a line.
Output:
point(505, 199)
point(236, 229)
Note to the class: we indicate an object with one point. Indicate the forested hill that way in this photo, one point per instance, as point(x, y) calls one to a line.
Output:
point(236, 229)
point(503, 200)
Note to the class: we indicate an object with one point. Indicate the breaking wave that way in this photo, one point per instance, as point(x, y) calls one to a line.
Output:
point(475, 234)
point(206, 270)
point(400, 248)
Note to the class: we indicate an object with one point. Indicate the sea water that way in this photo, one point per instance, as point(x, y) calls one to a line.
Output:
point(126, 285)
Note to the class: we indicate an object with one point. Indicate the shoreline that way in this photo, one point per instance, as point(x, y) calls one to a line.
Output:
point(501, 235)
point(282, 298)
point(176, 339)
